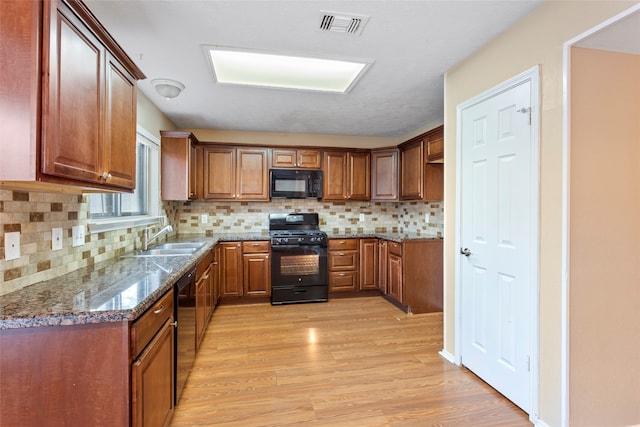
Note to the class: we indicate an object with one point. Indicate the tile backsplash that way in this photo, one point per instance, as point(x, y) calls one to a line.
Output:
point(34, 214)
point(336, 217)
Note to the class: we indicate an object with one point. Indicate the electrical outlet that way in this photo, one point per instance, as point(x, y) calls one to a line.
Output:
point(12, 245)
point(77, 235)
point(426, 218)
point(204, 218)
point(56, 239)
point(361, 217)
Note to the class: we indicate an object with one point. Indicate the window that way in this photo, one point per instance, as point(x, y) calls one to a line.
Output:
point(119, 210)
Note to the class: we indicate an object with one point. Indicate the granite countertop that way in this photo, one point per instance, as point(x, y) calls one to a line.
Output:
point(394, 237)
point(122, 288)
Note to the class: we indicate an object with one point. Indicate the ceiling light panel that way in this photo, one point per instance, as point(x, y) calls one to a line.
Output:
point(243, 67)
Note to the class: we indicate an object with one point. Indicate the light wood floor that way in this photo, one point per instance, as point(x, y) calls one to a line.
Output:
point(349, 362)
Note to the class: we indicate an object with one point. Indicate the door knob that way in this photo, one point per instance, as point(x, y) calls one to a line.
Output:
point(465, 251)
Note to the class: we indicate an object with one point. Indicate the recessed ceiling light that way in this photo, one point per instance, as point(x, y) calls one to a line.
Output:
point(253, 68)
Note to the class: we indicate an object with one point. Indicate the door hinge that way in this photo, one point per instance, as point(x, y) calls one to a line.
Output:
point(525, 111)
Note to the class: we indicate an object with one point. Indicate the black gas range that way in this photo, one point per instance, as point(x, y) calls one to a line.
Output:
point(299, 259)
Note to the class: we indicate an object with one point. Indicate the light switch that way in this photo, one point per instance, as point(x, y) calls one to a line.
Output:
point(77, 235)
point(12, 245)
point(56, 239)
point(204, 218)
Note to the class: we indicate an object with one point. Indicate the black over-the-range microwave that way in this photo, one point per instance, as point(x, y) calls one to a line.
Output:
point(295, 183)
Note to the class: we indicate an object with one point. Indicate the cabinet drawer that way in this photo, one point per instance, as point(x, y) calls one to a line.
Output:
point(343, 281)
point(343, 244)
point(143, 329)
point(204, 264)
point(255, 247)
point(343, 260)
point(395, 248)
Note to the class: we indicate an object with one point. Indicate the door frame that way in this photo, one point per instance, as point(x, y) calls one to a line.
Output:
point(532, 75)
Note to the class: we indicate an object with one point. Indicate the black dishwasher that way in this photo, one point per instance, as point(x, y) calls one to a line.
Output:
point(185, 342)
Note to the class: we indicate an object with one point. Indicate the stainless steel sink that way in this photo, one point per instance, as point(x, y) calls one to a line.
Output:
point(168, 249)
point(179, 245)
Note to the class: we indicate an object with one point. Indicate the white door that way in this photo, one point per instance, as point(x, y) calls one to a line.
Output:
point(496, 224)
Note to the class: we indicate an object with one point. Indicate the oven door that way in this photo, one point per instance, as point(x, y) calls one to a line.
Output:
point(298, 266)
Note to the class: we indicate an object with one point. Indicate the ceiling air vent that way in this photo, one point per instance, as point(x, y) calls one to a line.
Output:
point(337, 22)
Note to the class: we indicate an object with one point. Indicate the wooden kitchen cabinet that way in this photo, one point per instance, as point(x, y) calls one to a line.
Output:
point(347, 175)
point(301, 159)
point(419, 179)
point(383, 259)
point(85, 103)
point(368, 272)
point(152, 381)
point(231, 254)
point(435, 145)
point(413, 274)
point(231, 173)
point(178, 165)
point(204, 298)
point(256, 269)
point(342, 263)
point(384, 175)
point(216, 283)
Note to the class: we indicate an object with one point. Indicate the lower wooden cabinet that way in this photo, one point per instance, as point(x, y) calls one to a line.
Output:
point(410, 273)
point(231, 254)
point(204, 297)
point(368, 264)
point(256, 269)
point(152, 381)
point(245, 269)
point(342, 263)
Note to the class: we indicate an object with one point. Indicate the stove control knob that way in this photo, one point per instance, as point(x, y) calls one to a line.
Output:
point(300, 239)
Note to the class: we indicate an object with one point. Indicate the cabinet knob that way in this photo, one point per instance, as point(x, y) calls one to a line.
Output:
point(106, 176)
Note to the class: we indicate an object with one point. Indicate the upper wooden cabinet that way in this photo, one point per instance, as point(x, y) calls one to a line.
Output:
point(420, 179)
point(384, 175)
point(435, 145)
point(235, 173)
point(79, 86)
point(178, 165)
point(302, 159)
point(347, 175)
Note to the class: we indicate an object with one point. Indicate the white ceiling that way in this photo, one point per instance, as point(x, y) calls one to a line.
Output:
point(412, 43)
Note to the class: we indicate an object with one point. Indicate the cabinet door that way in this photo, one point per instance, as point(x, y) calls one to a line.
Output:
point(152, 381)
point(412, 171)
point(216, 277)
point(219, 173)
point(382, 267)
point(202, 308)
point(368, 268)
point(231, 269)
point(335, 175)
point(435, 145)
point(283, 158)
point(341, 281)
point(178, 165)
point(252, 177)
point(120, 126)
point(384, 175)
point(72, 148)
point(257, 274)
point(309, 159)
point(395, 288)
point(359, 167)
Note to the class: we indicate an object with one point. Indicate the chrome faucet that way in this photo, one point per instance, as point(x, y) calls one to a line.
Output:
point(147, 239)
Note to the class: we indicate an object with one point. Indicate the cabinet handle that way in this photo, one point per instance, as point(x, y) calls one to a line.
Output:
point(341, 274)
point(138, 362)
point(159, 310)
point(206, 277)
point(106, 176)
point(255, 244)
point(267, 257)
point(215, 263)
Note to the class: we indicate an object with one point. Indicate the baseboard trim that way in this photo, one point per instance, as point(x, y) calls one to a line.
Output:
point(448, 356)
